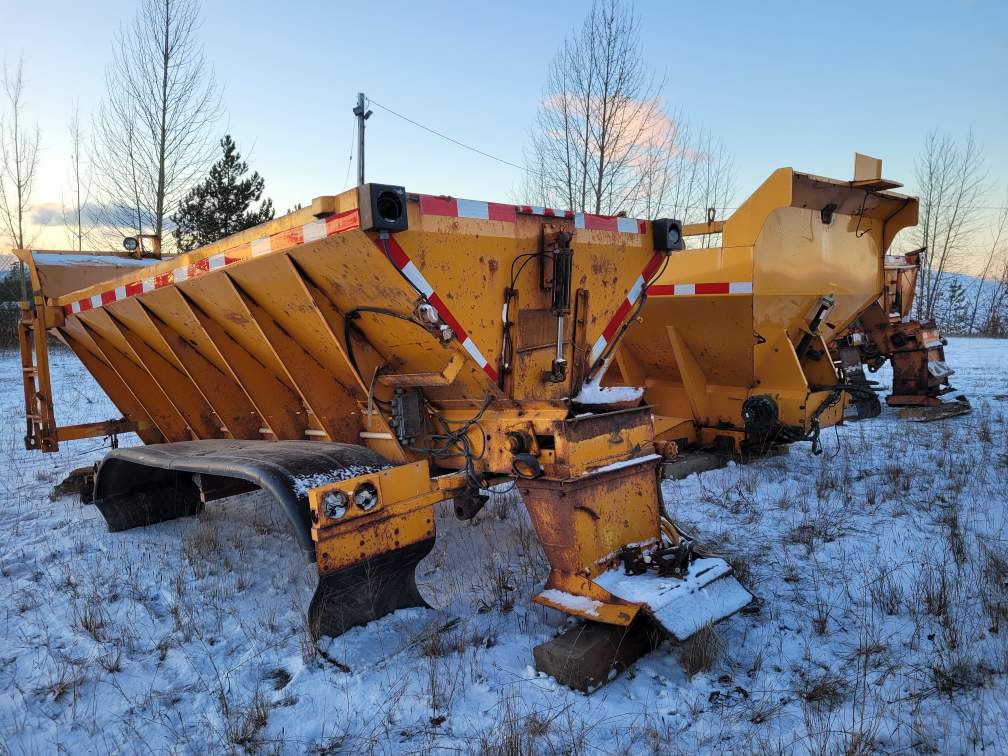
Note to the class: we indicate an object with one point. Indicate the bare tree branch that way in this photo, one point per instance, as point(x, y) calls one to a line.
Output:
point(78, 220)
point(998, 233)
point(951, 182)
point(19, 145)
point(603, 141)
point(153, 131)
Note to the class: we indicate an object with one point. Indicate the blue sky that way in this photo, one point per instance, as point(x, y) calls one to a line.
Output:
point(781, 83)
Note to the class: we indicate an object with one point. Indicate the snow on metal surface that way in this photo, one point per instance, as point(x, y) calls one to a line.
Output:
point(624, 463)
point(304, 483)
point(592, 393)
point(707, 594)
point(939, 369)
point(570, 601)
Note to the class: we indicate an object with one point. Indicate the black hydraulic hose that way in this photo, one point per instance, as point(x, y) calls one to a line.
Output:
point(355, 313)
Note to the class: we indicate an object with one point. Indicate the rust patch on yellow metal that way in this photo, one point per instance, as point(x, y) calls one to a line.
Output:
point(403, 515)
point(583, 524)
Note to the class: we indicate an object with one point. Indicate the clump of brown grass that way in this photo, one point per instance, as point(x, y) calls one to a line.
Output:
point(700, 651)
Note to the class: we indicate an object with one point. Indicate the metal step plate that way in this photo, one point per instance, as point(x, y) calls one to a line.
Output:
point(707, 594)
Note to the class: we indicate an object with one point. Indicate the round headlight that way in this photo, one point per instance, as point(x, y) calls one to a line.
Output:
point(366, 496)
point(335, 504)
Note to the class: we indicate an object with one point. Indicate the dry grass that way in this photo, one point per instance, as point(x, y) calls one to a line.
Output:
point(700, 651)
point(886, 590)
point(858, 649)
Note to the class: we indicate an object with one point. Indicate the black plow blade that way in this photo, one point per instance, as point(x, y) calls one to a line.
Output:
point(367, 590)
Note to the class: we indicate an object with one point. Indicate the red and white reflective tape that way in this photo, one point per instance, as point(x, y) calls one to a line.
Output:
point(309, 232)
point(453, 207)
point(320, 229)
point(625, 306)
point(608, 223)
point(549, 212)
point(417, 280)
point(588, 221)
point(700, 289)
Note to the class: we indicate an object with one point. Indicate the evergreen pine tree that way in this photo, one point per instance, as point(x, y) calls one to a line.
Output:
point(952, 318)
point(221, 204)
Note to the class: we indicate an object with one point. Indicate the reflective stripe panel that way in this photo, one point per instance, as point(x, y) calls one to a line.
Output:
point(473, 209)
point(398, 257)
point(700, 289)
point(261, 247)
point(416, 278)
point(313, 231)
point(609, 332)
point(635, 290)
point(454, 207)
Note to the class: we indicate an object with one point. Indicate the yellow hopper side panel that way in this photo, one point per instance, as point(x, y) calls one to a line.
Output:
point(722, 323)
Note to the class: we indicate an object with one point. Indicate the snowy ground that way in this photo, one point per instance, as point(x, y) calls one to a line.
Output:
point(881, 568)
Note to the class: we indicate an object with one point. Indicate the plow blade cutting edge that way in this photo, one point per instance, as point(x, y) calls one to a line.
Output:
point(939, 411)
point(367, 590)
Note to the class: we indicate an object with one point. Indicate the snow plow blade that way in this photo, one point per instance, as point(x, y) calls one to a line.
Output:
point(707, 594)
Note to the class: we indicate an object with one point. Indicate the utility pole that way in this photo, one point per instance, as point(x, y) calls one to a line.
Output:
point(362, 115)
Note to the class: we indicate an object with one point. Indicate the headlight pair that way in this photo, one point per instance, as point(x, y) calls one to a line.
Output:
point(336, 504)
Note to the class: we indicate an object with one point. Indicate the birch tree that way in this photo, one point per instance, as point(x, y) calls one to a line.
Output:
point(19, 147)
point(77, 215)
point(603, 140)
point(600, 109)
point(153, 133)
point(951, 182)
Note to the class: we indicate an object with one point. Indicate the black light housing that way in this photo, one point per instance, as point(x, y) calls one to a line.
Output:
point(382, 207)
point(667, 235)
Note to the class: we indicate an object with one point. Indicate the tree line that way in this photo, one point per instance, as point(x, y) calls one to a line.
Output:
point(955, 225)
point(602, 141)
point(147, 162)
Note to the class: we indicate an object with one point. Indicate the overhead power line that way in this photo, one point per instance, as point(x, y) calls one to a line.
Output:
point(435, 132)
point(486, 154)
point(353, 142)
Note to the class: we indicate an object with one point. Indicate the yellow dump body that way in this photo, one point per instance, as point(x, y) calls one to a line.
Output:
point(722, 324)
point(427, 356)
point(246, 338)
